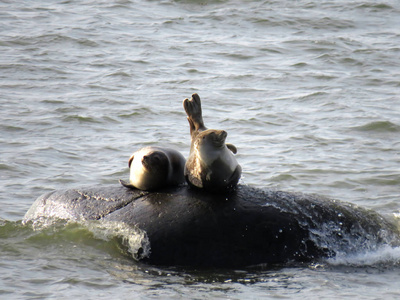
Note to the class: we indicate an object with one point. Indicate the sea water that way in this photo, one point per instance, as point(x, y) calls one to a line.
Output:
point(308, 91)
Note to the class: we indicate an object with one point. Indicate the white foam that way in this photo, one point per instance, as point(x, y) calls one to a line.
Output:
point(44, 215)
point(133, 238)
point(386, 255)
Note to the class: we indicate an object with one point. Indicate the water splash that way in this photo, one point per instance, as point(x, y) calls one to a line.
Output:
point(385, 255)
point(351, 235)
point(133, 238)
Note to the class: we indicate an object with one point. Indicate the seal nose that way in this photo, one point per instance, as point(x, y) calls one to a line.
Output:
point(148, 158)
point(223, 134)
point(145, 158)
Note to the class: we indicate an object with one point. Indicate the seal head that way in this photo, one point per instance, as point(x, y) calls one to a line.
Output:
point(153, 168)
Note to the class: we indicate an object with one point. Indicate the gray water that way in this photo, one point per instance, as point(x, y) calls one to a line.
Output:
point(308, 91)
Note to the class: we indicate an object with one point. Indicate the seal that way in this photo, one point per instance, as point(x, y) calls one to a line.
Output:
point(211, 165)
point(152, 168)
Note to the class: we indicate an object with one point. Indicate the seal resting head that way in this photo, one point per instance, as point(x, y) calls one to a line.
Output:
point(153, 168)
point(211, 165)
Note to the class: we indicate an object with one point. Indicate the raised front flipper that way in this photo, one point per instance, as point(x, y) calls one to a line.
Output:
point(194, 114)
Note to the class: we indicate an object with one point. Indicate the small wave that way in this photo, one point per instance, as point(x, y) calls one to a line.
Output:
point(11, 128)
point(128, 239)
point(5, 167)
point(118, 74)
point(133, 238)
point(313, 95)
point(283, 177)
point(81, 119)
point(238, 56)
point(139, 111)
point(382, 180)
point(379, 126)
point(375, 7)
point(52, 101)
point(383, 256)
point(300, 65)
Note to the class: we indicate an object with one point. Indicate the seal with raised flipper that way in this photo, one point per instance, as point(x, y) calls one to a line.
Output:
point(152, 168)
point(211, 165)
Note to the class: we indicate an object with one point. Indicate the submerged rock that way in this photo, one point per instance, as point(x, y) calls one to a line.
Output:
point(249, 226)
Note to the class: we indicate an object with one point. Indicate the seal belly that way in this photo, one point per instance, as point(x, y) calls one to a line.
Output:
point(223, 174)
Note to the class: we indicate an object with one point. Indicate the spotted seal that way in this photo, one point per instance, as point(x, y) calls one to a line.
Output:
point(211, 165)
point(152, 168)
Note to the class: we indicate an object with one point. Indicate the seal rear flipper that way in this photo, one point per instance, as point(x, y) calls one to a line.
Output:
point(192, 127)
point(193, 110)
point(234, 179)
point(127, 184)
point(194, 181)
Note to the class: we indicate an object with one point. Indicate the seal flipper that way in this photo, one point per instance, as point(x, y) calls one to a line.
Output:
point(130, 160)
point(194, 181)
point(127, 184)
point(234, 179)
point(193, 110)
point(232, 148)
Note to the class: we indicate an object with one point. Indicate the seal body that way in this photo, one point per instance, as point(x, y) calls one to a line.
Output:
point(211, 165)
point(153, 168)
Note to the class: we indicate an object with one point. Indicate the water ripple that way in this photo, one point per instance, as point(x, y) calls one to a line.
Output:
point(307, 90)
point(379, 127)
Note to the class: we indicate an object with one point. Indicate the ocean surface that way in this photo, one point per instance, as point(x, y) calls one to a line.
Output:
point(308, 91)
